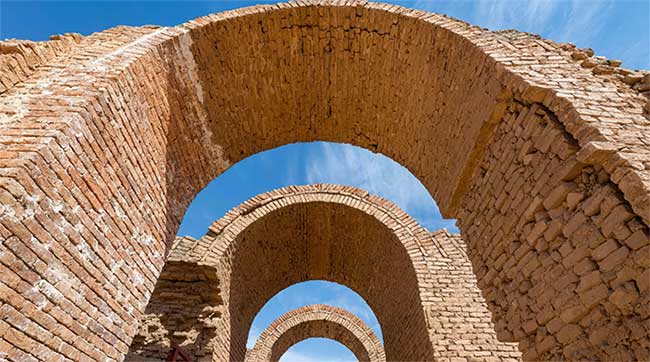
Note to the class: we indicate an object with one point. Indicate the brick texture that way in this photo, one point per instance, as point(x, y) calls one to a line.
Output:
point(20, 59)
point(539, 149)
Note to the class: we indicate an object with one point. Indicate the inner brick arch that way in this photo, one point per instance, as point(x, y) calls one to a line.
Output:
point(301, 294)
point(326, 232)
point(321, 321)
point(105, 145)
point(419, 285)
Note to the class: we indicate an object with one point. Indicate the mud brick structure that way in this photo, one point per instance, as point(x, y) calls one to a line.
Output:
point(540, 150)
point(433, 310)
point(317, 321)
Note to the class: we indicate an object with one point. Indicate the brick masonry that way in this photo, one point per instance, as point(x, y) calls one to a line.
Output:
point(423, 291)
point(106, 140)
point(320, 321)
point(20, 59)
point(181, 313)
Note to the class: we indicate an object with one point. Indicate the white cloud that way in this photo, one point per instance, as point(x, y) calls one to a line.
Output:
point(577, 21)
point(354, 166)
point(253, 336)
point(583, 23)
point(350, 165)
point(521, 15)
point(358, 308)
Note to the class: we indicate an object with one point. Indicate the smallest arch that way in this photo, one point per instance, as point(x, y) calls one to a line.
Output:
point(317, 321)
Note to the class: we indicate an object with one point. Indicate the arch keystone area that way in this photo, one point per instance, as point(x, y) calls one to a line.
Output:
point(538, 150)
point(317, 321)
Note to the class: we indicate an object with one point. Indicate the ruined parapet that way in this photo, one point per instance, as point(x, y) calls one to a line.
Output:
point(19, 59)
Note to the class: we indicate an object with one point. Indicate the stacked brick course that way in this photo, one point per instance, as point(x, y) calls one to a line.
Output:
point(19, 59)
point(313, 321)
point(182, 312)
point(563, 261)
point(103, 146)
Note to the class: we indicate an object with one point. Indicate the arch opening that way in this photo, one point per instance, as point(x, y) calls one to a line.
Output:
point(315, 162)
point(329, 242)
point(309, 293)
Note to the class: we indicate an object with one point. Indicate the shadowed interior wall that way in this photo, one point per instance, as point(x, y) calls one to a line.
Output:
point(182, 312)
point(104, 143)
point(319, 241)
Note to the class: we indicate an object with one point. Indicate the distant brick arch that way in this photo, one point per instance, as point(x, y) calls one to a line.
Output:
point(317, 321)
point(539, 150)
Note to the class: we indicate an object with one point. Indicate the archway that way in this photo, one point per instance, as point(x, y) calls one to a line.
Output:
point(317, 321)
point(419, 285)
point(312, 292)
point(102, 152)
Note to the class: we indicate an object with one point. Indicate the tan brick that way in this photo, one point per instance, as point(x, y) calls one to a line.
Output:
point(569, 333)
point(604, 250)
point(614, 260)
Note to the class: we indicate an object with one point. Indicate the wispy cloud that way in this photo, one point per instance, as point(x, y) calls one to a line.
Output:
point(253, 336)
point(346, 299)
point(612, 28)
point(293, 356)
point(354, 166)
point(582, 23)
point(522, 15)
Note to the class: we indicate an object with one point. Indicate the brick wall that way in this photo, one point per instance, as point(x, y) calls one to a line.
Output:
point(181, 313)
point(19, 59)
point(559, 254)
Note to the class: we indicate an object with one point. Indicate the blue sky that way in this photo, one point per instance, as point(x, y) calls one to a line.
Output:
point(616, 29)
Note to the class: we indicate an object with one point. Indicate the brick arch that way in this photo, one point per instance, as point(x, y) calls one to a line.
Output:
point(317, 321)
point(541, 157)
point(343, 235)
point(419, 285)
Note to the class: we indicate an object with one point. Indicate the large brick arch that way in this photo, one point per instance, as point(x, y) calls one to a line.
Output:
point(541, 157)
point(317, 321)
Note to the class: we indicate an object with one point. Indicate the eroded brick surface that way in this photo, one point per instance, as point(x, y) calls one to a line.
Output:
point(103, 146)
point(318, 321)
point(181, 313)
point(19, 59)
point(561, 260)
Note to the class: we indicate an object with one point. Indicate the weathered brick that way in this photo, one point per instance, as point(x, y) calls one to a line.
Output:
point(613, 260)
